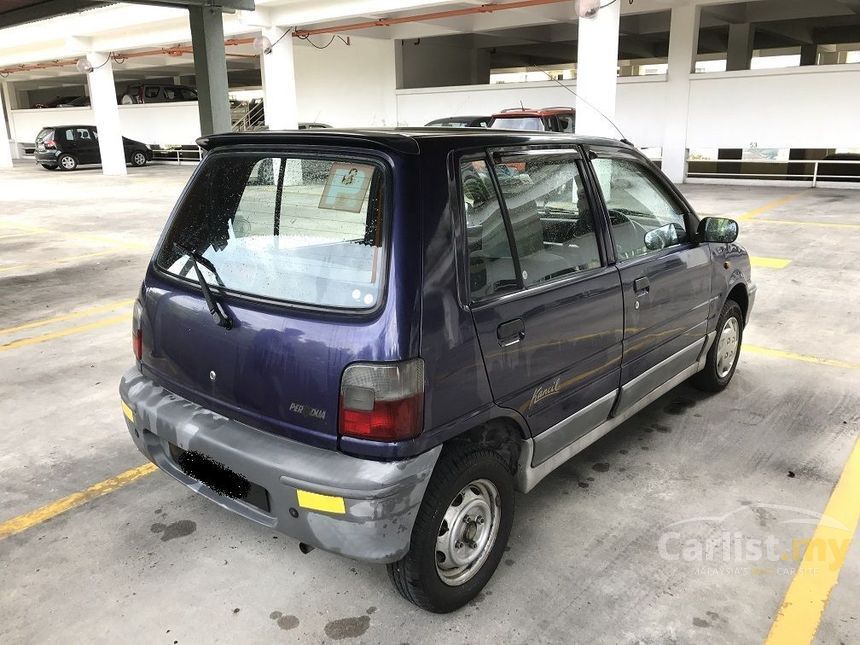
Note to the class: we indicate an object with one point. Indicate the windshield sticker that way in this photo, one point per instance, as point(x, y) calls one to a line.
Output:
point(346, 187)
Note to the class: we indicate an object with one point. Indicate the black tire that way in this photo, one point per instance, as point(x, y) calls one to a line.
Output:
point(415, 576)
point(710, 378)
point(67, 162)
point(138, 158)
point(48, 166)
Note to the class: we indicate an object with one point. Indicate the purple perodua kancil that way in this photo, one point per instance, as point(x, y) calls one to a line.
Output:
point(368, 340)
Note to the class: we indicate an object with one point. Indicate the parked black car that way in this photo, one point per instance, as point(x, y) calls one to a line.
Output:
point(157, 93)
point(68, 146)
point(460, 122)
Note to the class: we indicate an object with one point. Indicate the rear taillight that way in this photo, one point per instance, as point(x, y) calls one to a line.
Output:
point(136, 333)
point(49, 144)
point(382, 401)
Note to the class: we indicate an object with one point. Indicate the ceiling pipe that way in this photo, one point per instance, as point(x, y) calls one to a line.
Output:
point(120, 57)
point(436, 15)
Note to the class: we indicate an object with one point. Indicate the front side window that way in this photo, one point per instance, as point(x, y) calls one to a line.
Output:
point(644, 217)
point(300, 230)
point(550, 215)
point(491, 264)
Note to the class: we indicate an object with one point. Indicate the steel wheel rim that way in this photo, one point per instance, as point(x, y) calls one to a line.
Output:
point(727, 348)
point(139, 159)
point(467, 532)
point(68, 163)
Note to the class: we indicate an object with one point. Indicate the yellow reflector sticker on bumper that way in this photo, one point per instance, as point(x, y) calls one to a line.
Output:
point(317, 502)
point(127, 411)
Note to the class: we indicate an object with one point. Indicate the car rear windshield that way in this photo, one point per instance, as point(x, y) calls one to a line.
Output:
point(300, 230)
point(517, 123)
point(45, 134)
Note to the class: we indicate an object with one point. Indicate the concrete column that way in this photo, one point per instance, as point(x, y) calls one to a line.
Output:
point(597, 72)
point(210, 67)
point(279, 81)
point(740, 50)
point(808, 55)
point(5, 120)
point(683, 45)
point(106, 114)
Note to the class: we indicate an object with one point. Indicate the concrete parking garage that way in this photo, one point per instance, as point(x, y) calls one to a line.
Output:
point(611, 548)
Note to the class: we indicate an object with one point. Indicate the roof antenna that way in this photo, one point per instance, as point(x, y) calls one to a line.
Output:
point(523, 107)
point(588, 103)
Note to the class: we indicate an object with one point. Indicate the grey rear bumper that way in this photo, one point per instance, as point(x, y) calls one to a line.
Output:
point(379, 499)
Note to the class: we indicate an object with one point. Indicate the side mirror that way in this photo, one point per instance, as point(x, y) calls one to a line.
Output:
point(718, 229)
point(660, 238)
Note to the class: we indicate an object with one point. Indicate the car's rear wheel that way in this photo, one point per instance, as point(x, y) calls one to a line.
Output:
point(48, 166)
point(138, 159)
point(724, 353)
point(67, 162)
point(460, 532)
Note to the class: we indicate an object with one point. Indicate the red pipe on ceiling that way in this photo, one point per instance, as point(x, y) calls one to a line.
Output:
point(435, 15)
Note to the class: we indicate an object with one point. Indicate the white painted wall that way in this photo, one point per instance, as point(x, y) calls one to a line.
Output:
point(639, 109)
point(160, 123)
point(812, 107)
point(347, 86)
point(803, 107)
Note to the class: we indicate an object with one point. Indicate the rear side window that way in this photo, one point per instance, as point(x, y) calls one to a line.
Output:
point(550, 215)
point(491, 264)
point(151, 91)
point(518, 123)
point(299, 230)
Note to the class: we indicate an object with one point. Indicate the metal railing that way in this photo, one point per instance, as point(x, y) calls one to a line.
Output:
point(799, 170)
point(253, 119)
point(190, 154)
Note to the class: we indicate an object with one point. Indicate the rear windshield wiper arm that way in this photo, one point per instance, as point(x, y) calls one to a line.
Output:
point(215, 309)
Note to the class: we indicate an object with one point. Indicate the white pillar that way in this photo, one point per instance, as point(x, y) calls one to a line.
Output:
point(279, 81)
point(597, 72)
point(683, 44)
point(5, 150)
point(103, 99)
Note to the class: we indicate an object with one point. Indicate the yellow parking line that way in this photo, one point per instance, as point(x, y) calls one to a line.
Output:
point(101, 239)
point(816, 224)
point(767, 207)
point(27, 520)
point(800, 614)
point(805, 358)
point(83, 313)
point(769, 263)
point(15, 344)
point(63, 260)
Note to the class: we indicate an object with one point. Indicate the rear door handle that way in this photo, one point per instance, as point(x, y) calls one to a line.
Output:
point(511, 332)
point(641, 285)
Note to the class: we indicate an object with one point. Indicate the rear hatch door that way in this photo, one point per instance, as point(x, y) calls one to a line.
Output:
point(293, 249)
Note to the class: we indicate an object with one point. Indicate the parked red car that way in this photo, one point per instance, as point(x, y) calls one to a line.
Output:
point(549, 119)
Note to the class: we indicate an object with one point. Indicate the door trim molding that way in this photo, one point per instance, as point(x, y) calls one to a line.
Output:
point(529, 476)
point(566, 431)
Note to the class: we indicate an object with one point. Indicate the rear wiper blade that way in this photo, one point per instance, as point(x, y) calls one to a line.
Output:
point(215, 309)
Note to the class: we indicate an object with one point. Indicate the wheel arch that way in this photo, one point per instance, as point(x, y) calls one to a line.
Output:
point(503, 434)
point(739, 294)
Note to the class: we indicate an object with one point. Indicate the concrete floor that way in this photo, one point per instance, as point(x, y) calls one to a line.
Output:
point(151, 562)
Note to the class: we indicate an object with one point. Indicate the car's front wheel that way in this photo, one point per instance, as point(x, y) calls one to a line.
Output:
point(724, 353)
point(67, 162)
point(138, 159)
point(460, 532)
